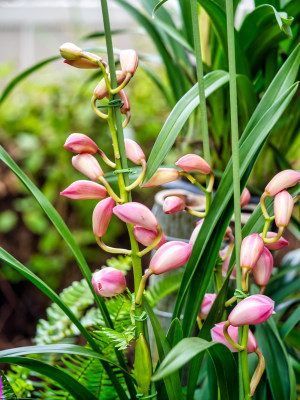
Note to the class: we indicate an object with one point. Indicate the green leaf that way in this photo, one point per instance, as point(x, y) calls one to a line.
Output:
point(172, 382)
point(221, 356)
point(24, 75)
point(5, 388)
point(78, 391)
point(277, 362)
point(158, 5)
point(178, 117)
point(290, 323)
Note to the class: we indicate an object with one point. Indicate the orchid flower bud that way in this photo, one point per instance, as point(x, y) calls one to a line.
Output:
point(169, 256)
point(173, 204)
point(84, 63)
point(228, 234)
point(101, 90)
point(126, 106)
point(146, 237)
point(162, 176)
point(281, 181)
point(279, 244)
point(206, 305)
point(252, 310)
point(263, 268)
point(136, 214)
point(225, 265)
point(102, 215)
point(251, 249)
point(218, 337)
point(87, 165)
point(283, 208)
point(196, 231)
point(134, 152)
point(80, 143)
point(70, 51)
point(245, 197)
point(129, 61)
point(109, 282)
point(193, 162)
point(83, 190)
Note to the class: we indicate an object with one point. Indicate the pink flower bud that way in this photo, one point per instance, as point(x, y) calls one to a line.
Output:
point(102, 215)
point(80, 143)
point(252, 310)
point(126, 106)
point(251, 249)
point(169, 256)
point(208, 300)
point(87, 165)
point(162, 176)
point(129, 61)
point(109, 282)
point(133, 152)
point(193, 162)
point(225, 265)
point(282, 180)
point(218, 337)
point(195, 232)
point(83, 190)
point(245, 197)
point(70, 51)
point(84, 63)
point(173, 204)
point(283, 208)
point(101, 90)
point(279, 244)
point(136, 214)
point(263, 268)
point(146, 237)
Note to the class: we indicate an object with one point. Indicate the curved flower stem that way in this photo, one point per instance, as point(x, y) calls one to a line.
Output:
point(262, 289)
point(193, 180)
point(230, 301)
point(153, 244)
point(106, 159)
point(258, 372)
point(262, 205)
point(140, 177)
point(196, 213)
point(279, 234)
point(244, 362)
point(211, 182)
point(199, 323)
point(228, 337)
point(122, 85)
point(96, 110)
point(266, 227)
point(229, 250)
point(218, 277)
point(109, 249)
point(126, 120)
point(245, 279)
point(139, 295)
point(110, 190)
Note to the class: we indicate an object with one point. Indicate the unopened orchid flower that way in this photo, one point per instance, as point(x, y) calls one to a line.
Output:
point(283, 208)
point(134, 152)
point(80, 143)
point(279, 244)
point(173, 204)
point(251, 249)
point(129, 61)
point(87, 165)
point(193, 162)
point(196, 231)
point(136, 214)
point(218, 337)
point(169, 256)
point(102, 215)
point(206, 305)
point(83, 190)
point(109, 282)
point(263, 268)
point(281, 181)
point(162, 176)
point(245, 197)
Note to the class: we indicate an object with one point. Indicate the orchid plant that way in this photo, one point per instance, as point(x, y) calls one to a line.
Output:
point(214, 254)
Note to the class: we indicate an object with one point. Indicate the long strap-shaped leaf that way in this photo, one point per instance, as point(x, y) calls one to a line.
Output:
point(221, 356)
point(178, 117)
point(76, 389)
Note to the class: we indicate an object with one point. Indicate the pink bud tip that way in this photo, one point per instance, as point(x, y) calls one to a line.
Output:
point(283, 208)
point(136, 214)
point(133, 152)
point(228, 234)
point(251, 249)
point(252, 310)
point(279, 244)
point(173, 204)
point(162, 176)
point(263, 268)
point(129, 61)
point(226, 262)
point(83, 190)
point(146, 237)
point(109, 282)
point(193, 162)
point(169, 256)
point(282, 180)
point(245, 197)
point(87, 165)
point(80, 143)
point(126, 106)
point(102, 215)
point(70, 51)
point(218, 337)
point(206, 305)
point(196, 231)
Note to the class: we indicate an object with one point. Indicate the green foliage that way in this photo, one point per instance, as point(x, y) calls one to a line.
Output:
point(163, 288)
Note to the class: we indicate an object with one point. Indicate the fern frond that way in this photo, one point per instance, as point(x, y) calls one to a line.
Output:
point(163, 288)
point(123, 263)
point(121, 339)
point(5, 388)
